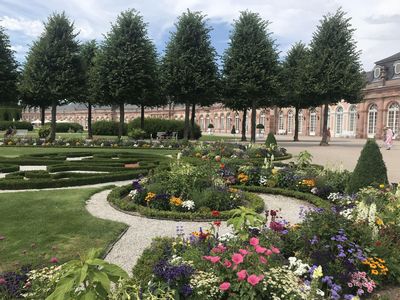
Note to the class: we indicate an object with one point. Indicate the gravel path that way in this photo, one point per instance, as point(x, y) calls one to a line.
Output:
point(142, 230)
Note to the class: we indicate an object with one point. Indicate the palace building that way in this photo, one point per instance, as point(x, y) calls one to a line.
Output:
point(380, 107)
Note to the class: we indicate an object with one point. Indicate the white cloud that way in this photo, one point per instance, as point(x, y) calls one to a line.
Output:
point(30, 28)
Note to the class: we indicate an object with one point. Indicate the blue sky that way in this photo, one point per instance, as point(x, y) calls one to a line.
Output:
point(377, 23)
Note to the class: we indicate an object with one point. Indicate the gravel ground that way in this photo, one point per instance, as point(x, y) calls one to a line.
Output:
point(142, 230)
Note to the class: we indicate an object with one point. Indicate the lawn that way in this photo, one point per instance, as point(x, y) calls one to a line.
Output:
point(40, 225)
point(213, 138)
point(10, 151)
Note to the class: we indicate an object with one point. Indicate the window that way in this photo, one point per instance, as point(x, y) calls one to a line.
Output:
point(237, 122)
point(372, 116)
point(393, 117)
point(201, 123)
point(207, 122)
point(290, 122)
point(221, 122)
point(313, 121)
point(300, 121)
point(281, 125)
point(228, 121)
point(377, 72)
point(352, 118)
point(262, 119)
point(339, 120)
point(397, 68)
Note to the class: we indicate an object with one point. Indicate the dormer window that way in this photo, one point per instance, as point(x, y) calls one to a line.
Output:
point(377, 72)
point(397, 68)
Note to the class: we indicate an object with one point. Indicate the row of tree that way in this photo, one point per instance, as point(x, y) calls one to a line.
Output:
point(125, 68)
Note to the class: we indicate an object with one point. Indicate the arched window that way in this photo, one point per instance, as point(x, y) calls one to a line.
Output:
point(281, 125)
point(237, 122)
point(228, 121)
point(301, 121)
point(313, 121)
point(339, 120)
point(262, 118)
point(201, 121)
point(393, 117)
point(222, 122)
point(290, 122)
point(352, 118)
point(207, 122)
point(372, 116)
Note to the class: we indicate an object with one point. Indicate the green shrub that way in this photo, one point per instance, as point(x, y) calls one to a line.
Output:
point(107, 128)
point(68, 127)
point(10, 113)
point(270, 140)
point(4, 125)
point(44, 132)
point(136, 133)
point(370, 168)
point(152, 126)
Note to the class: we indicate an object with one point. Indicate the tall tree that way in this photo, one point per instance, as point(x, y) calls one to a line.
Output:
point(87, 96)
point(335, 64)
point(8, 72)
point(296, 82)
point(189, 69)
point(251, 68)
point(124, 66)
point(33, 86)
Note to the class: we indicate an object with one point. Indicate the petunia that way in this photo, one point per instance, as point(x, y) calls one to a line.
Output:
point(262, 260)
point(268, 252)
point(213, 259)
point(227, 263)
point(237, 258)
point(254, 279)
point(241, 275)
point(260, 249)
point(254, 241)
point(243, 251)
point(275, 250)
point(224, 286)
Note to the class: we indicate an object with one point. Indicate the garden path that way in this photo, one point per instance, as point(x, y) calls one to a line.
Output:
point(142, 230)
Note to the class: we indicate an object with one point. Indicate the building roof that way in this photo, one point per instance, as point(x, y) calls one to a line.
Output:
point(391, 58)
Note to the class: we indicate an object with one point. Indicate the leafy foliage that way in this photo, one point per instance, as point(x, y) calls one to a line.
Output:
point(370, 168)
point(271, 140)
point(243, 218)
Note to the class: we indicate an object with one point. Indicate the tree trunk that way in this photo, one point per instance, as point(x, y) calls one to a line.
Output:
point(253, 121)
point(89, 121)
point(192, 121)
point(324, 141)
point(142, 117)
point(296, 125)
point(121, 120)
point(53, 120)
point(187, 125)
point(244, 125)
point(42, 115)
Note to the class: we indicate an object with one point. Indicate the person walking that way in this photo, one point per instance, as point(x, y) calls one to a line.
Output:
point(388, 138)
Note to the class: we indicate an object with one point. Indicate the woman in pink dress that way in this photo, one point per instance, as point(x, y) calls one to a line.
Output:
point(389, 138)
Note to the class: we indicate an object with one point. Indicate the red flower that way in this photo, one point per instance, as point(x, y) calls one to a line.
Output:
point(217, 223)
point(54, 260)
point(2, 281)
point(215, 213)
point(378, 243)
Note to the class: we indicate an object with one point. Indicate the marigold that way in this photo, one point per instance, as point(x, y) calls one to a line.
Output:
point(150, 196)
point(379, 221)
point(175, 201)
point(243, 178)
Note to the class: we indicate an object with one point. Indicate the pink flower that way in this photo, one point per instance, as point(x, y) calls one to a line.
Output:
point(224, 286)
point(243, 251)
point(254, 279)
point(2, 281)
point(227, 263)
point(237, 258)
point(213, 259)
point(275, 250)
point(54, 260)
point(241, 275)
point(2, 237)
point(219, 249)
point(262, 260)
point(260, 249)
point(268, 252)
point(254, 241)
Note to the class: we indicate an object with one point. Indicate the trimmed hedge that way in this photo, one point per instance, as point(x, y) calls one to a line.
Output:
point(4, 125)
point(66, 127)
point(271, 140)
point(315, 200)
point(117, 199)
point(153, 125)
point(107, 128)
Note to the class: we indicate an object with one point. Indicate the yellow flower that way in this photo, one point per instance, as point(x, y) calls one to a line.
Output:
point(243, 178)
point(175, 201)
point(381, 185)
point(317, 273)
point(233, 190)
point(379, 221)
point(374, 272)
point(372, 266)
point(150, 196)
point(274, 171)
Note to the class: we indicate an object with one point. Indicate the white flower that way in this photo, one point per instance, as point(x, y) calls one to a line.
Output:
point(133, 194)
point(314, 190)
point(188, 204)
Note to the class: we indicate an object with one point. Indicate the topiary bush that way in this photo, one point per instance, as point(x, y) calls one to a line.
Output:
point(68, 127)
point(152, 126)
point(107, 128)
point(44, 132)
point(370, 168)
point(270, 140)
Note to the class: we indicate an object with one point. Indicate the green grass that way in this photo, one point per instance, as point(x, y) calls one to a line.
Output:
point(33, 223)
point(212, 138)
point(10, 151)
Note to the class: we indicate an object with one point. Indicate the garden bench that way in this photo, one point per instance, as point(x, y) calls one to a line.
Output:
point(162, 135)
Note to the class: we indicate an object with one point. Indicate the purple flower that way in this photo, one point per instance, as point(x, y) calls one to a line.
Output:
point(314, 240)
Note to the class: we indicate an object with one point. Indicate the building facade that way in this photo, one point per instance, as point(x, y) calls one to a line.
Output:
point(380, 107)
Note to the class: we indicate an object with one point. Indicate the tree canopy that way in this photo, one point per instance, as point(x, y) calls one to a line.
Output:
point(251, 69)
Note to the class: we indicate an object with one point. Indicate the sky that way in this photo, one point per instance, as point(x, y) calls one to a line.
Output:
point(377, 22)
